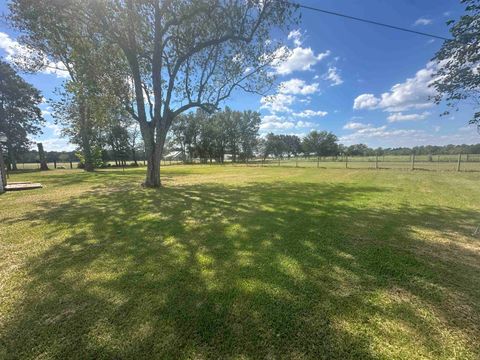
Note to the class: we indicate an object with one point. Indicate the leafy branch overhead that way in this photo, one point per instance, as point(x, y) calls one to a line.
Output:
point(458, 76)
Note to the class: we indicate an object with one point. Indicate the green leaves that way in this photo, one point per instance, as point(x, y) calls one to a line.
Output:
point(458, 77)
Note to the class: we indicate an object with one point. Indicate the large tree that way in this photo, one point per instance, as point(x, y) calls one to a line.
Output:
point(20, 115)
point(322, 143)
point(458, 76)
point(180, 54)
point(59, 42)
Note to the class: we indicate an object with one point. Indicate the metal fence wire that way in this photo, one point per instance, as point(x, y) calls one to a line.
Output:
point(445, 162)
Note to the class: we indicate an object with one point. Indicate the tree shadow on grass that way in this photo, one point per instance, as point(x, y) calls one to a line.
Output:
point(99, 177)
point(260, 271)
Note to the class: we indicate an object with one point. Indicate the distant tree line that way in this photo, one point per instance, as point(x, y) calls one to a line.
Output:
point(362, 149)
point(232, 135)
point(323, 143)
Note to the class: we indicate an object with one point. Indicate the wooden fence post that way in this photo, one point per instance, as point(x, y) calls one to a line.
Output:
point(413, 161)
point(296, 162)
point(3, 173)
point(376, 161)
point(318, 161)
point(346, 161)
point(459, 161)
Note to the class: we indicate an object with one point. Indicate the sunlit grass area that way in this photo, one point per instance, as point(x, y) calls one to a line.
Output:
point(241, 263)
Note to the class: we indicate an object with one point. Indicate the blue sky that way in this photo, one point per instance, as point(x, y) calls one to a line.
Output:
point(365, 83)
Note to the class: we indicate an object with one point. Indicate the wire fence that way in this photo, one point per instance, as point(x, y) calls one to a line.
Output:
point(51, 165)
point(462, 162)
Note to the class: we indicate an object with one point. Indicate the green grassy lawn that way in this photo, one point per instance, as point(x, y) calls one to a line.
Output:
point(241, 263)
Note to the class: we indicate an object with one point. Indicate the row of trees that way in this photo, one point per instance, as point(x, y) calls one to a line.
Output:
point(362, 149)
point(318, 143)
point(211, 137)
point(322, 143)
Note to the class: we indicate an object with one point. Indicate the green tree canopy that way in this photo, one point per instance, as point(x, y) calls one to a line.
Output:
point(321, 143)
point(458, 76)
point(20, 115)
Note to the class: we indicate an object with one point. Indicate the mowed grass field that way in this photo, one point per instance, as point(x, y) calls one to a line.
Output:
point(241, 263)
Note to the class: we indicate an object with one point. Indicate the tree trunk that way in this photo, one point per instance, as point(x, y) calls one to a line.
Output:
point(41, 154)
point(153, 152)
point(12, 160)
point(134, 156)
point(87, 151)
point(152, 178)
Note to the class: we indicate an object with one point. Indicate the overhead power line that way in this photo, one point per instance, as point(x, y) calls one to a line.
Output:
point(368, 21)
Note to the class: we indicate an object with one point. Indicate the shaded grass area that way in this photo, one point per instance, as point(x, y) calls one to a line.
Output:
point(241, 263)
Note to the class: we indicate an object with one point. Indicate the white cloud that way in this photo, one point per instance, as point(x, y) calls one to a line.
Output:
point(277, 102)
point(333, 76)
point(277, 125)
point(297, 86)
point(413, 93)
point(422, 21)
point(365, 101)
point(311, 113)
point(287, 95)
point(384, 136)
point(355, 125)
point(398, 116)
point(296, 36)
point(304, 124)
point(297, 59)
point(447, 13)
point(20, 53)
point(271, 118)
point(363, 133)
point(468, 128)
point(275, 122)
point(55, 144)
point(57, 130)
